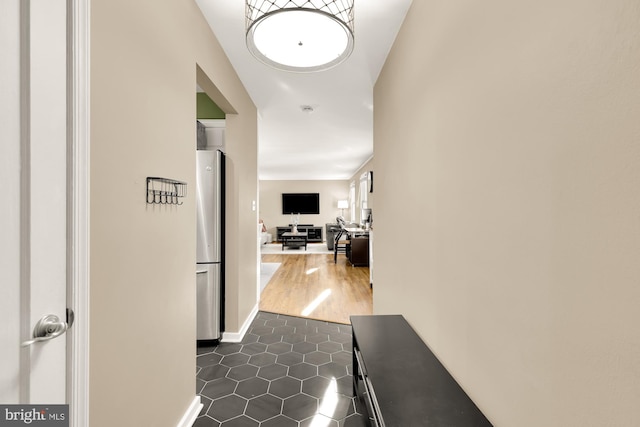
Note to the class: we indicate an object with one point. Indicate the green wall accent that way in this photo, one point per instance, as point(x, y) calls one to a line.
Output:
point(207, 109)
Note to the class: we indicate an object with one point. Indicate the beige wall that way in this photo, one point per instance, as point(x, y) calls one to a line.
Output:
point(144, 58)
point(271, 202)
point(512, 129)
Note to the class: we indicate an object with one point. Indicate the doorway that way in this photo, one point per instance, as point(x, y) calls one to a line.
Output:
point(43, 254)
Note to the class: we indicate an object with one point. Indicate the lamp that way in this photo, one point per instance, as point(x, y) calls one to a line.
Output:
point(300, 35)
point(343, 204)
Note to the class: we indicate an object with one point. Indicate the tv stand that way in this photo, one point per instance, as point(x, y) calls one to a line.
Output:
point(314, 234)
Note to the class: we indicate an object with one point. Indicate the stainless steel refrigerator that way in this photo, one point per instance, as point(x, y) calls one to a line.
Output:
point(210, 196)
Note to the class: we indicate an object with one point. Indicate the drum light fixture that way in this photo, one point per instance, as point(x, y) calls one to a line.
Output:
point(300, 35)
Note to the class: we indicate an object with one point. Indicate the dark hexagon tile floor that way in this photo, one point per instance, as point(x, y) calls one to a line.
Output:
point(287, 372)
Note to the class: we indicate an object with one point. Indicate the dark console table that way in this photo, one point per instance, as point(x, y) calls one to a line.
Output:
point(402, 382)
point(358, 251)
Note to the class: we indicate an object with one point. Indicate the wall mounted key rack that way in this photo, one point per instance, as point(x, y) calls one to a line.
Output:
point(165, 191)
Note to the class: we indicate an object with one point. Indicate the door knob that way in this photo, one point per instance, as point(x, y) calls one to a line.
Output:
point(47, 328)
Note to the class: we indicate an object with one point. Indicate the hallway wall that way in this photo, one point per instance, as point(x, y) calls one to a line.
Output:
point(145, 60)
point(511, 129)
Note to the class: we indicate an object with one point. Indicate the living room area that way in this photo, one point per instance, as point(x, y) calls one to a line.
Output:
point(306, 276)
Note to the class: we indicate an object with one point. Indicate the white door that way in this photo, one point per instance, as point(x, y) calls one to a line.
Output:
point(33, 197)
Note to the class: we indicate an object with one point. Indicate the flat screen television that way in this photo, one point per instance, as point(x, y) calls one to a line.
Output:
point(302, 203)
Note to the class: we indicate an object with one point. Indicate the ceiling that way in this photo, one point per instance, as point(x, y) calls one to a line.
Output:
point(334, 140)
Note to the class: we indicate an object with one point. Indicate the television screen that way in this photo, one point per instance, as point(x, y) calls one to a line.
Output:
point(302, 203)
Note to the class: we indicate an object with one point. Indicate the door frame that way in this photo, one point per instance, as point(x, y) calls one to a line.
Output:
point(78, 209)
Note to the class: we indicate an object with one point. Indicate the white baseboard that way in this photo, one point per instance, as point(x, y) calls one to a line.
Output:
point(190, 416)
point(237, 336)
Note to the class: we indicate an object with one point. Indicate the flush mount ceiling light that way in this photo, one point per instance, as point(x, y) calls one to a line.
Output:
point(300, 35)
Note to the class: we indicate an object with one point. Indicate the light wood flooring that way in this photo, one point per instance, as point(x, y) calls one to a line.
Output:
point(313, 286)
